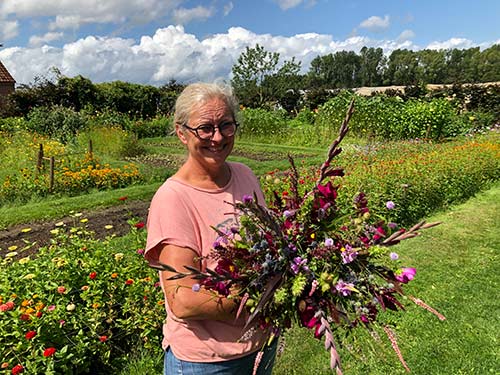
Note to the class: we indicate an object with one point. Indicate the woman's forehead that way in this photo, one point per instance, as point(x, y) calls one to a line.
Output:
point(211, 108)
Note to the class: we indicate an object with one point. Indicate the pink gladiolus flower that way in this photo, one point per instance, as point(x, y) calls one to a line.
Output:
point(406, 274)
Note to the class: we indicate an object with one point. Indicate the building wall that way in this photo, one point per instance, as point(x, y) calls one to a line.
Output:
point(5, 90)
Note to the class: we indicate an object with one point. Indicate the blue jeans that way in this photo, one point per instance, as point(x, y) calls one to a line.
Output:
point(239, 366)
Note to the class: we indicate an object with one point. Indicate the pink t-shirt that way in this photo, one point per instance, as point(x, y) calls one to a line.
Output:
point(183, 215)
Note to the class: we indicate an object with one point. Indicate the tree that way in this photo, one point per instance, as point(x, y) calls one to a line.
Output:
point(402, 68)
point(258, 77)
point(372, 66)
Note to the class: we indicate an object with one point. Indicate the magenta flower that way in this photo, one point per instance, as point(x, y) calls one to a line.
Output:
point(394, 256)
point(405, 275)
point(328, 194)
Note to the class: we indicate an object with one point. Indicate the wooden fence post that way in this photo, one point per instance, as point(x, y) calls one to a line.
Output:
point(39, 160)
point(51, 178)
point(91, 151)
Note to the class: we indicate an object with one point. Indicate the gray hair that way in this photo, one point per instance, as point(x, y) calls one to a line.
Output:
point(197, 93)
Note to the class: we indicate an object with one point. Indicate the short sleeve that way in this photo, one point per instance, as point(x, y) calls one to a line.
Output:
point(170, 222)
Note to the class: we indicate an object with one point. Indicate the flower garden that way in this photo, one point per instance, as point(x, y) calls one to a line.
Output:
point(83, 305)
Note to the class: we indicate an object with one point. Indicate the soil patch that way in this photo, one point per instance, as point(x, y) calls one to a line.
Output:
point(28, 242)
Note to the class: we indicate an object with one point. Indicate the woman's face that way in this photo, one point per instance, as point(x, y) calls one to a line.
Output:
point(212, 152)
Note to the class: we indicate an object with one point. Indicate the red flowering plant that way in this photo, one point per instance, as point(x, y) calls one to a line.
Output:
point(303, 259)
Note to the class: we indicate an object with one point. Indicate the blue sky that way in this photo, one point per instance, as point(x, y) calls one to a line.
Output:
point(153, 41)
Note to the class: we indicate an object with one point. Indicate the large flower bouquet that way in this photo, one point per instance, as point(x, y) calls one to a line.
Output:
point(300, 260)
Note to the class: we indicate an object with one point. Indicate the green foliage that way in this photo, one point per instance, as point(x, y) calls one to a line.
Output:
point(259, 79)
point(257, 123)
point(79, 296)
point(57, 122)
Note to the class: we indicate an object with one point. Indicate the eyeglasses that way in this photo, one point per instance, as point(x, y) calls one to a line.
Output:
point(207, 131)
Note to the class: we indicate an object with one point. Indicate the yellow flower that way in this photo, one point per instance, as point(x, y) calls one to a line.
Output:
point(26, 230)
point(24, 260)
point(54, 231)
point(29, 276)
point(12, 248)
point(96, 305)
point(11, 254)
point(108, 226)
point(59, 224)
point(70, 307)
point(26, 303)
point(84, 220)
point(118, 256)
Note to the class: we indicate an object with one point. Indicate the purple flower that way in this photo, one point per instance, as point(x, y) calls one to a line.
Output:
point(298, 264)
point(195, 288)
point(288, 213)
point(405, 275)
point(394, 256)
point(247, 199)
point(344, 288)
point(392, 225)
point(348, 255)
point(140, 251)
point(328, 242)
point(390, 205)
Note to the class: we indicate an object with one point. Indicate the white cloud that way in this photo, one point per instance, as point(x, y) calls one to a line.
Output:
point(228, 8)
point(406, 35)
point(71, 13)
point(36, 40)
point(287, 4)
point(183, 16)
point(459, 43)
point(171, 53)
point(376, 24)
point(8, 29)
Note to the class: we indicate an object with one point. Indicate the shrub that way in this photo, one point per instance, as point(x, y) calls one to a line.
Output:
point(260, 123)
point(79, 305)
point(57, 122)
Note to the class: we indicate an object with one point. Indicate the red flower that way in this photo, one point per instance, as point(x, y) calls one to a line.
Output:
point(129, 282)
point(123, 198)
point(139, 225)
point(30, 334)
point(103, 338)
point(24, 317)
point(39, 314)
point(7, 306)
point(49, 352)
point(93, 275)
point(17, 369)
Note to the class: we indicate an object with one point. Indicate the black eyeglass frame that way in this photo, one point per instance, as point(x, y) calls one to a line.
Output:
point(195, 130)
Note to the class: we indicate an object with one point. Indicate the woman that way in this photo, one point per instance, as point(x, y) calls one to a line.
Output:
point(201, 334)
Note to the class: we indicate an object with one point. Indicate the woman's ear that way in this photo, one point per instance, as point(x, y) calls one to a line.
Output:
point(180, 134)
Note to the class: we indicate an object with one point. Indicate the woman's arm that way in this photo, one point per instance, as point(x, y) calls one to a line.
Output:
point(182, 300)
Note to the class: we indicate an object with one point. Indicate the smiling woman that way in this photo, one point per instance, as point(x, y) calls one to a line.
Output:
point(202, 334)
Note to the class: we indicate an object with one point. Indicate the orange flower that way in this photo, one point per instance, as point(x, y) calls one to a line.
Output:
point(114, 275)
point(96, 305)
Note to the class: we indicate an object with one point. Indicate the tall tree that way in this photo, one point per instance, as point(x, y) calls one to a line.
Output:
point(259, 78)
point(402, 68)
point(372, 66)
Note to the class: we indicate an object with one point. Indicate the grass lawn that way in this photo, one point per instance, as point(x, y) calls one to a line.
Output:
point(457, 273)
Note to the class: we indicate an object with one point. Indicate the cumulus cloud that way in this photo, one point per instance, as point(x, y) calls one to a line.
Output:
point(70, 13)
point(375, 24)
point(37, 40)
point(183, 16)
point(8, 29)
point(287, 4)
point(171, 53)
point(228, 8)
point(406, 35)
point(460, 43)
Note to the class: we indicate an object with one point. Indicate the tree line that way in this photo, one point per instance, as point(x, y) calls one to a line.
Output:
point(261, 78)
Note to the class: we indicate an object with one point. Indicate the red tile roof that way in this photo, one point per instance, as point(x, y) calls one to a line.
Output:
point(5, 75)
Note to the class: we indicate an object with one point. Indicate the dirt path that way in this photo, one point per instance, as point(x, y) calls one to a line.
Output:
point(15, 239)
